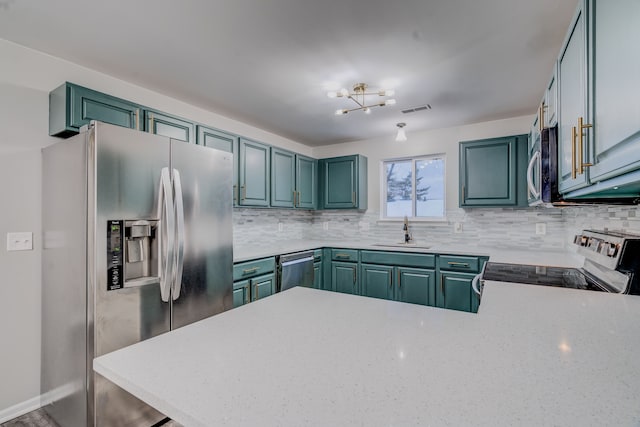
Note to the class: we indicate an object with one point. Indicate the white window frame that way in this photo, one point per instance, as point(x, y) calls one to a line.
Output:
point(383, 188)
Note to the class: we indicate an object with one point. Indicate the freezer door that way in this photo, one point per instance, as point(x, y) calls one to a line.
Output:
point(202, 179)
point(124, 184)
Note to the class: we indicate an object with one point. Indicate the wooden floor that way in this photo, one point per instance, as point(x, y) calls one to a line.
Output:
point(39, 418)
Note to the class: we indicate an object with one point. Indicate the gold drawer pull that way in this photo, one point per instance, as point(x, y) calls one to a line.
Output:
point(458, 264)
point(250, 270)
point(343, 256)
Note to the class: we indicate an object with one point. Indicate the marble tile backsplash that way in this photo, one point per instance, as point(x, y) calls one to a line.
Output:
point(507, 227)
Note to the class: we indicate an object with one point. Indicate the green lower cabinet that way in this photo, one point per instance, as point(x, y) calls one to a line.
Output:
point(317, 275)
point(344, 277)
point(416, 286)
point(376, 281)
point(241, 293)
point(455, 291)
point(263, 286)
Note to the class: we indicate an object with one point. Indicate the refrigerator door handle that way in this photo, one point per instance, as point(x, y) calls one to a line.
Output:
point(179, 257)
point(167, 220)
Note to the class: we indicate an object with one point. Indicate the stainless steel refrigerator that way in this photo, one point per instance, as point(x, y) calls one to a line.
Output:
point(137, 240)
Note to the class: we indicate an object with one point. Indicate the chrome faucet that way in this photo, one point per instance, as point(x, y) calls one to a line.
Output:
point(405, 227)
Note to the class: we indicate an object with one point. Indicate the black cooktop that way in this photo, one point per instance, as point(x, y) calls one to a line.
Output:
point(541, 275)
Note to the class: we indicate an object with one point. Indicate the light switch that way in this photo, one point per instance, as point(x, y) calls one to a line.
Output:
point(22, 241)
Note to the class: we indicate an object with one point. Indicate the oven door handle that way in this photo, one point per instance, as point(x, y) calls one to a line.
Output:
point(535, 159)
point(474, 285)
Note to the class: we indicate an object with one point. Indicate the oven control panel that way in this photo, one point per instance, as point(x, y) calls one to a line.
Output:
point(604, 247)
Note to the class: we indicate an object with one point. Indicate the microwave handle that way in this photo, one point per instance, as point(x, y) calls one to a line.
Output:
point(532, 188)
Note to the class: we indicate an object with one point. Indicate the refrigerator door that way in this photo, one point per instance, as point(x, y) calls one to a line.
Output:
point(202, 180)
point(125, 169)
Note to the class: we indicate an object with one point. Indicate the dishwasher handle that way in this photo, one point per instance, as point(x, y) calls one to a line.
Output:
point(297, 261)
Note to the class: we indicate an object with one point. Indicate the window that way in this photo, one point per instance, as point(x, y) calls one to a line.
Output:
point(413, 187)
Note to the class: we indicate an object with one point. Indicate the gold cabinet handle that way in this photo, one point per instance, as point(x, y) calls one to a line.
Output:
point(248, 294)
point(573, 152)
point(353, 198)
point(458, 264)
point(255, 288)
point(298, 205)
point(581, 128)
point(235, 194)
point(137, 119)
point(250, 270)
point(541, 117)
point(342, 256)
point(243, 190)
point(151, 130)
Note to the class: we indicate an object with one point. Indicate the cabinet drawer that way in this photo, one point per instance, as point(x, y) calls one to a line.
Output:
point(344, 255)
point(459, 263)
point(248, 269)
point(398, 259)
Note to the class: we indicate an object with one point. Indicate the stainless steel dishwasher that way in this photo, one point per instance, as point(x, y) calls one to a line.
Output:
point(295, 270)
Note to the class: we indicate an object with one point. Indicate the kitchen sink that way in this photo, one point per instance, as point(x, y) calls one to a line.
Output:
point(402, 245)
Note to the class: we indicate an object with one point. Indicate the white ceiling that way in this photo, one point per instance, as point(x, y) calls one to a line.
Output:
point(267, 62)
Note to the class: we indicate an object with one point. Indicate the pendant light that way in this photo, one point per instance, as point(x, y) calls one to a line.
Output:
point(401, 136)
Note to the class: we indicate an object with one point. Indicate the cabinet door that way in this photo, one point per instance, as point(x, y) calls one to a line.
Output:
point(616, 76)
point(488, 172)
point(317, 275)
point(306, 185)
point(455, 291)
point(376, 281)
point(262, 287)
point(344, 277)
point(417, 286)
point(282, 178)
point(254, 173)
point(169, 126)
point(222, 141)
point(241, 293)
point(339, 183)
point(551, 101)
point(86, 105)
point(572, 103)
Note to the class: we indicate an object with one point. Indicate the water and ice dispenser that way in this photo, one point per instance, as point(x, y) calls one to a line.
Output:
point(132, 253)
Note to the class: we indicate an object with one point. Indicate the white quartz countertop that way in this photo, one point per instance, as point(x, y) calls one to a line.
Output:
point(512, 256)
point(532, 356)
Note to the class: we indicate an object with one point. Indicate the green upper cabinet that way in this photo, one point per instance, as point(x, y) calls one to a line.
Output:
point(572, 80)
point(282, 178)
point(492, 172)
point(343, 182)
point(163, 124)
point(550, 103)
point(306, 182)
point(254, 168)
point(615, 71)
point(72, 106)
point(214, 138)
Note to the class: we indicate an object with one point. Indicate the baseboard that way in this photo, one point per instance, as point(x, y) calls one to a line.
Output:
point(19, 409)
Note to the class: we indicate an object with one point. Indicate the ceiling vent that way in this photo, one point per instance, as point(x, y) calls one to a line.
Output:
point(416, 109)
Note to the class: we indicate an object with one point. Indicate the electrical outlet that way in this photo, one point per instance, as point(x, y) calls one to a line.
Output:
point(457, 227)
point(325, 225)
point(541, 228)
point(20, 241)
point(280, 226)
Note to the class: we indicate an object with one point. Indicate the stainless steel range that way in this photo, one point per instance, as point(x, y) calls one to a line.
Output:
point(611, 264)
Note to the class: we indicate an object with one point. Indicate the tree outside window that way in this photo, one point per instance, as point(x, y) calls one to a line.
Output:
point(414, 187)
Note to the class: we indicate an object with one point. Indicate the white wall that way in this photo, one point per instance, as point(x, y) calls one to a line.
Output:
point(26, 77)
point(437, 141)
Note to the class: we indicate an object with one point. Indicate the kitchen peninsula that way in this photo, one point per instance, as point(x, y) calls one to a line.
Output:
point(532, 355)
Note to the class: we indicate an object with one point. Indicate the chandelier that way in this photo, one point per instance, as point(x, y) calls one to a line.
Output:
point(359, 95)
